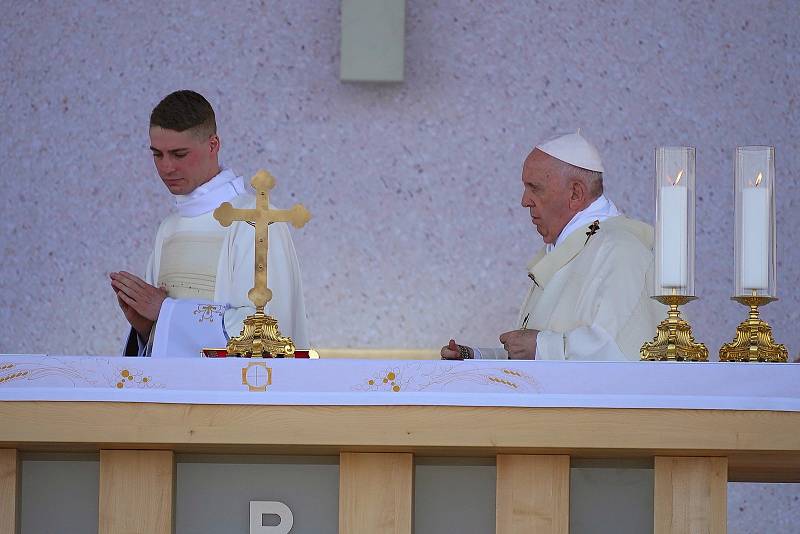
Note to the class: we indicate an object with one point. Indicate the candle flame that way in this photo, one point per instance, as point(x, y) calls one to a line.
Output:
point(678, 178)
point(758, 179)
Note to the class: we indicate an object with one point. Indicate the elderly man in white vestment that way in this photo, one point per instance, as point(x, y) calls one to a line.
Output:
point(194, 292)
point(591, 283)
point(589, 300)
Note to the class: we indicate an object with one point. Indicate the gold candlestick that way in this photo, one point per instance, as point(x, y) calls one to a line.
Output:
point(753, 341)
point(674, 340)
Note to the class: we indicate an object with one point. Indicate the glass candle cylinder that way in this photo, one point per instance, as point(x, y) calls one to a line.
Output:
point(674, 238)
point(754, 243)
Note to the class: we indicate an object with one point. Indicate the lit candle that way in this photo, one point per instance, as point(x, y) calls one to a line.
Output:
point(672, 204)
point(755, 236)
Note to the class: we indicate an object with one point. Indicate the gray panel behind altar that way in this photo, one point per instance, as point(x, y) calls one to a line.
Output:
point(59, 494)
point(213, 493)
point(455, 495)
point(373, 40)
point(607, 500)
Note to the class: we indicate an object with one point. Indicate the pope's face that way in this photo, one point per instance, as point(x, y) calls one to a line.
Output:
point(546, 194)
point(184, 160)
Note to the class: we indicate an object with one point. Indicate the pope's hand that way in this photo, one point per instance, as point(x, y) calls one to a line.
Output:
point(452, 352)
point(520, 344)
point(139, 301)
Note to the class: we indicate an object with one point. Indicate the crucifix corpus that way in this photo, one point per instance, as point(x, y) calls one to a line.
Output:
point(260, 336)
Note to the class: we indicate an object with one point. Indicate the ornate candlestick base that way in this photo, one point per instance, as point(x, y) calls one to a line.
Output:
point(674, 341)
point(260, 338)
point(753, 341)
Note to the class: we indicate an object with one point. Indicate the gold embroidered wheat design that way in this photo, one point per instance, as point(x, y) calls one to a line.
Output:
point(12, 376)
point(503, 381)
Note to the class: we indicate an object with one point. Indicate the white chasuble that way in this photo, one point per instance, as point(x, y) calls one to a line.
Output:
point(590, 296)
point(207, 270)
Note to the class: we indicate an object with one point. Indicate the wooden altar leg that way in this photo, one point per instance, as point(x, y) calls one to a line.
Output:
point(376, 493)
point(9, 490)
point(532, 494)
point(136, 492)
point(691, 495)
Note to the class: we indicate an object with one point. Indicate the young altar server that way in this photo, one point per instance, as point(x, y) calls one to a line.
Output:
point(194, 292)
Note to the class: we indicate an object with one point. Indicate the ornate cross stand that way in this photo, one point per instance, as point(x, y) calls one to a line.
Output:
point(260, 336)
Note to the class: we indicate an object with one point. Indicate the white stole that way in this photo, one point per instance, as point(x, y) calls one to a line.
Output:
point(223, 187)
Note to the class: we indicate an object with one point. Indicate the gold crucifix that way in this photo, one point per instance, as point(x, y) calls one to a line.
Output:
point(260, 335)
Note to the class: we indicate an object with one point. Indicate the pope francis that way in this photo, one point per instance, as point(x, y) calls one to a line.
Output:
point(591, 283)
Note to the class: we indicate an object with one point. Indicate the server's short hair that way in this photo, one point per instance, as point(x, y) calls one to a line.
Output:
point(185, 110)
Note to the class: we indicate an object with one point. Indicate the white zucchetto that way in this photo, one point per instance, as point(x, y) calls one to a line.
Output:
point(574, 149)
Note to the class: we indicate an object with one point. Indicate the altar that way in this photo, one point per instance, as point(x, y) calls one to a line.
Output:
point(365, 446)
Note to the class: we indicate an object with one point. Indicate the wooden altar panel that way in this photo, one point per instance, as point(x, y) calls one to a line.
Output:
point(691, 495)
point(136, 492)
point(376, 493)
point(9, 490)
point(762, 446)
point(532, 494)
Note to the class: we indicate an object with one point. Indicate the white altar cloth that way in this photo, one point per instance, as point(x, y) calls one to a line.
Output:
point(715, 386)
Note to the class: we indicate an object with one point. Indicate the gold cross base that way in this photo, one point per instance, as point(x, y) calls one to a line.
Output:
point(674, 341)
point(753, 341)
point(260, 338)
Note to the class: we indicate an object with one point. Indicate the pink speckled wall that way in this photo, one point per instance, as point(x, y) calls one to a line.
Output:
point(418, 234)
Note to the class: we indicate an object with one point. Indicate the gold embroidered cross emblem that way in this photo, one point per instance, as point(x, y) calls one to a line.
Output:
point(257, 376)
point(208, 311)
